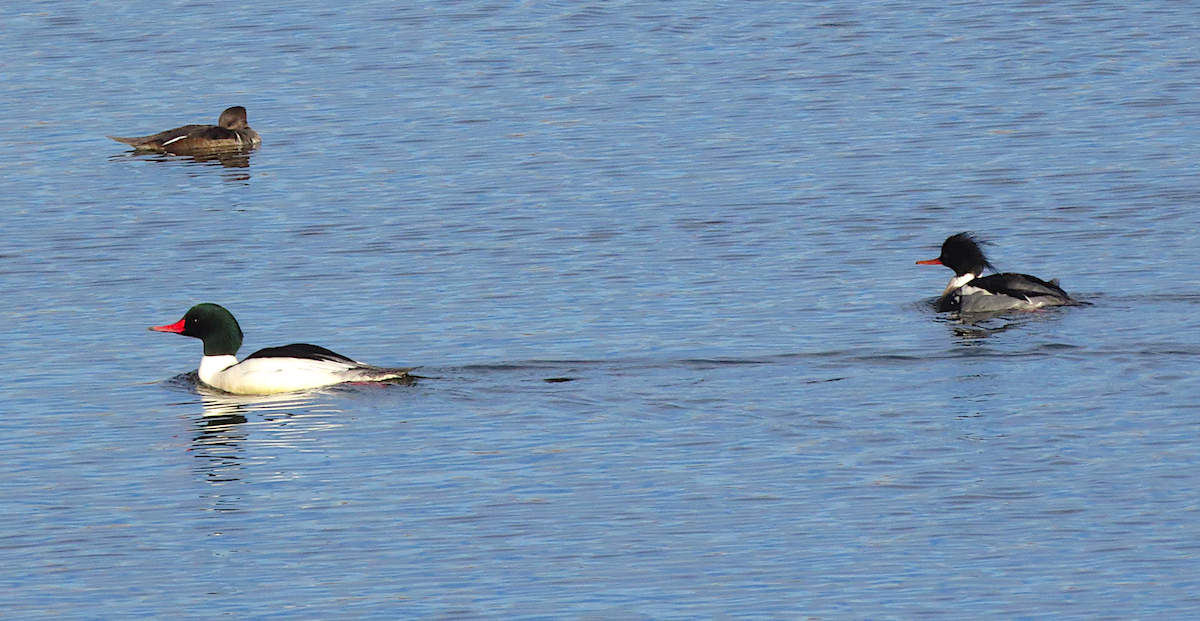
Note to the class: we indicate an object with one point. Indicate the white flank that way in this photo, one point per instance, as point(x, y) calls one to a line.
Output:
point(174, 140)
point(266, 376)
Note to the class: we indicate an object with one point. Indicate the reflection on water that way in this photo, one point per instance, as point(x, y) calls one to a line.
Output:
point(222, 443)
point(231, 160)
point(970, 327)
point(218, 446)
point(973, 328)
point(222, 404)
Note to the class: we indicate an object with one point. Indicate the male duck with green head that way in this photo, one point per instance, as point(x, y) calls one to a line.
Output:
point(299, 366)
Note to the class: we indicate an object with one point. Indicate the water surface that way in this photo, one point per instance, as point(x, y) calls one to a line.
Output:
point(704, 216)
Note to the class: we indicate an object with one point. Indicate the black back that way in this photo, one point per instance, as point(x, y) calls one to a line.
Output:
point(301, 350)
point(1019, 286)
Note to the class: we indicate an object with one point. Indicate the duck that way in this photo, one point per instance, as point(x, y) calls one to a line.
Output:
point(231, 133)
point(290, 368)
point(971, 292)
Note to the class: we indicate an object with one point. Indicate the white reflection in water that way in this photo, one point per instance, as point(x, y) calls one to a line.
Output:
point(235, 432)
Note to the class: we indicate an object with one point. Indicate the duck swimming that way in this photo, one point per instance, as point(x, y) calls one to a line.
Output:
point(971, 292)
point(299, 366)
point(231, 133)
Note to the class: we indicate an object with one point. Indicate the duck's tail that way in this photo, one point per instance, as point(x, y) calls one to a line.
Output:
point(134, 142)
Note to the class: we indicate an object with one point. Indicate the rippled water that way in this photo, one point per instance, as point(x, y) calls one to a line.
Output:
point(656, 263)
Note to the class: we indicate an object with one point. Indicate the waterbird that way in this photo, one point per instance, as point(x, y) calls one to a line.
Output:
point(298, 366)
point(231, 133)
point(971, 292)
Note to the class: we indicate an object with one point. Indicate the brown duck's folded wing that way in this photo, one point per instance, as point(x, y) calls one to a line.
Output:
point(163, 137)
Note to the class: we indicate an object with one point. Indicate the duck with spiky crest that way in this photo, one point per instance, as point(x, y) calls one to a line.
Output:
point(972, 292)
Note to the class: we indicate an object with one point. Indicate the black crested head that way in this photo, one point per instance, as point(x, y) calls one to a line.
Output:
point(215, 326)
point(961, 253)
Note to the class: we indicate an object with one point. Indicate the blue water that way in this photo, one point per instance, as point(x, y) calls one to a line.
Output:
point(703, 216)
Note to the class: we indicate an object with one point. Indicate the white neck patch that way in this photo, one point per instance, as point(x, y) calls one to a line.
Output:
point(210, 366)
point(957, 282)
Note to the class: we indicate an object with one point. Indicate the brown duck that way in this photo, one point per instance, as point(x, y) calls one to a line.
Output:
point(231, 133)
